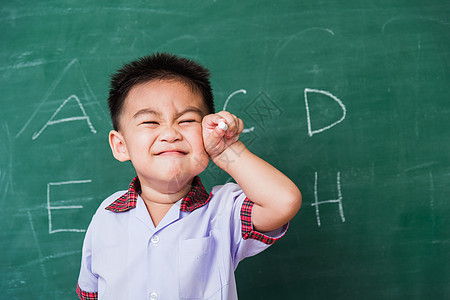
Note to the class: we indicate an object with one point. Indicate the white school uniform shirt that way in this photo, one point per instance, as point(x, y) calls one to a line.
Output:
point(191, 254)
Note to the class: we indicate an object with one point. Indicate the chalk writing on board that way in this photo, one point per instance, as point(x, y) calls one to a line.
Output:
point(308, 117)
point(226, 103)
point(71, 75)
point(53, 121)
point(51, 208)
point(338, 200)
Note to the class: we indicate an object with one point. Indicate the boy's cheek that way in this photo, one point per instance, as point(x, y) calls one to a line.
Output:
point(201, 161)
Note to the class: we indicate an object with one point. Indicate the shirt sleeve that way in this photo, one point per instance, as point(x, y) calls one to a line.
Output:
point(246, 240)
point(87, 281)
point(248, 232)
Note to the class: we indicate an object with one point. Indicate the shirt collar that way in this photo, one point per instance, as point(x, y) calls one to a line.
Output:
point(197, 197)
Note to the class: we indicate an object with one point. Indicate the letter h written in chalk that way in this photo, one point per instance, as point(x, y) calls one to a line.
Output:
point(338, 201)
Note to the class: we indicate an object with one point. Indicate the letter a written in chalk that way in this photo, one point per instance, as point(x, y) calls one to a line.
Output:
point(53, 120)
point(311, 132)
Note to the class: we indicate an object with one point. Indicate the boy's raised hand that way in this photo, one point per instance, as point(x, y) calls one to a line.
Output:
point(217, 140)
point(276, 198)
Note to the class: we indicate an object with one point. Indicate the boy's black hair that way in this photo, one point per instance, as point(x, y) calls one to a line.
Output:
point(157, 66)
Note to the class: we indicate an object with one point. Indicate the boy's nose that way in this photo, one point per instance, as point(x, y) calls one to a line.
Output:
point(169, 134)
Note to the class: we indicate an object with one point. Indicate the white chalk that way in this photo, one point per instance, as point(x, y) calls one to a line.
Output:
point(223, 125)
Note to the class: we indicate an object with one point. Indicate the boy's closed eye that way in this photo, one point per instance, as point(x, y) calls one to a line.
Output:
point(188, 121)
point(182, 122)
point(150, 123)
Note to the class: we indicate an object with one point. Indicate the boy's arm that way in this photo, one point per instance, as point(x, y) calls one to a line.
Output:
point(276, 198)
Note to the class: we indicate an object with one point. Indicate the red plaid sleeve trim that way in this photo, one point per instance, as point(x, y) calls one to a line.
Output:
point(247, 226)
point(128, 200)
point(86, 295)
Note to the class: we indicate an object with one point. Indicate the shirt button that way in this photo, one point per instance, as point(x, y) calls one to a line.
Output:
point(153, 296)
point(155, 239)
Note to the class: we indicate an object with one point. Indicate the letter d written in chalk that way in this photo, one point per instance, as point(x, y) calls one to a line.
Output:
point(311, 132)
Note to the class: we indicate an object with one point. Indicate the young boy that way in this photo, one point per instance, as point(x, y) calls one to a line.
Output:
point(166, 237)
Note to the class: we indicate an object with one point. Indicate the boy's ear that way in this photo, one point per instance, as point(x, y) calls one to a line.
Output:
point(118, 147)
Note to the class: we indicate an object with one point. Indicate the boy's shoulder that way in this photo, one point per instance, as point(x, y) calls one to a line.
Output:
point(228, 189)
point(109, 200)
point(225, 197)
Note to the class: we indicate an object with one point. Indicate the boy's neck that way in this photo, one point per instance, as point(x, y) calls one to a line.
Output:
point(158, 202)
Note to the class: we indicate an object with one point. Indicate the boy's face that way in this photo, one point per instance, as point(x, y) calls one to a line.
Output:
point(161, 133)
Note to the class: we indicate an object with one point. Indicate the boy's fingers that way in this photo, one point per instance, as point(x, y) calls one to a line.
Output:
point(232, 130)
point(211, 121)
point(241, 126)
point(236, 128)
point(219, 132)
point(232, 122)
point(216, 137)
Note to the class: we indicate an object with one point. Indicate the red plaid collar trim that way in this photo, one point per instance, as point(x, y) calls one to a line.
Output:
point(197, 197)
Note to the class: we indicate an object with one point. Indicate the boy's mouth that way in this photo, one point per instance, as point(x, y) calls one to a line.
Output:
point(170, 152)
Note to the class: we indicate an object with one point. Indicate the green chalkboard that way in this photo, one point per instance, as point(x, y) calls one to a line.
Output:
point(349, 98)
